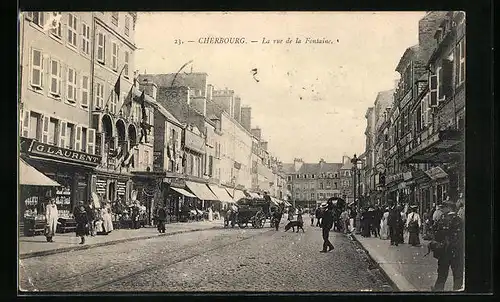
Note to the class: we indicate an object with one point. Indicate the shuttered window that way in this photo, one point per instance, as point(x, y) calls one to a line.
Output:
point(72, 30)
point(36, 69)
point(55, 77)
point(71, 85)
point(85, 91)
point(101, 47)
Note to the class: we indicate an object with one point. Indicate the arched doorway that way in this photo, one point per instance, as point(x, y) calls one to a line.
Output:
point(120, 131)
point(107, 126)
point(132, 135)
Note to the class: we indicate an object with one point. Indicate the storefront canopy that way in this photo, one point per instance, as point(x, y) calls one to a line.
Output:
point(221, 194)
point(32, 177)
point(254, 195)
point(183, 192)
point(275, 201)
point(236, 194)
point(201, 191)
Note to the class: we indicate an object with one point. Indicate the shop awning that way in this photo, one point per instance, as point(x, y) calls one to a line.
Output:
point(201, 191)
point(236, 194)
point(436, 173)
point(32, 177)
point(221, 194)
point(183, 192)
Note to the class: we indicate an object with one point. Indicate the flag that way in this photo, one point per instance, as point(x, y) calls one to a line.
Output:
point(117, 86)
point(53, 21)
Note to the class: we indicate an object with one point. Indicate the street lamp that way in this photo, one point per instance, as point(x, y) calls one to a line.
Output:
point(356, 169)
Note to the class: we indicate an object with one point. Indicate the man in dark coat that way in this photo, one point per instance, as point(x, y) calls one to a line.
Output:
point(326, 226)
point(318, 213)
point(376, 221)
point(394, 223)
point(448, 247)
point(161, 216)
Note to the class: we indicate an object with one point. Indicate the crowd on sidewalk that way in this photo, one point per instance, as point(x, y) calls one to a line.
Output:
point(442, 226)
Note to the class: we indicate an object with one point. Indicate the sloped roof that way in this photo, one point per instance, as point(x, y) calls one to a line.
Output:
point(288, 168)
point(329, 167)
point(308, 168)
point(196, 80)
point(347, 166)
point(410, 51)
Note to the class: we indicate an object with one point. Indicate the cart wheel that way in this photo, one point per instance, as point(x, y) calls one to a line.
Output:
point(243, 224)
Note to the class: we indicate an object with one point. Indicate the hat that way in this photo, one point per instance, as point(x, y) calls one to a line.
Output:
point(324, 205)
point(413, 207)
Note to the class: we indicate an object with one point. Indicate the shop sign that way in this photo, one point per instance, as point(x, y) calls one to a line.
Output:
point(394, 177)
point(176, 183)
point(436, 173)
point(194, 142)
point(68, 155)
point(157, 161)
point(407, 175)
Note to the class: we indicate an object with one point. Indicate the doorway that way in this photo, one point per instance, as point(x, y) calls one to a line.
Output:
point(111, 191)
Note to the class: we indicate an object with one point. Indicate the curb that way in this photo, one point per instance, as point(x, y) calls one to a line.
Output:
point(89, 246)
point(386, 275)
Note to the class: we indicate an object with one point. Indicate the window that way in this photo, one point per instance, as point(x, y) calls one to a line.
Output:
point(440, 79)
point(114, 56)
point(36, 69)
point(101, 46)
point(312, 195)
point(55, 77)
point(56, 27)
point(34, 126)
point(114, 18)
point(72, 30)
point(99, 96)
point(112, 101)
point(419, 117)
point(407, 78)
point(83, 145)
point(52, 132)
point(85, 91)
point(71, 86)
point(70, 136)
point(335, 185)
point(127, 25)
point(38, 18)
point(460, 62)
point(125, 67)
point(85, 39)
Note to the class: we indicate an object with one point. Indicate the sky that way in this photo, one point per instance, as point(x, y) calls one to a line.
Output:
point(310, 100)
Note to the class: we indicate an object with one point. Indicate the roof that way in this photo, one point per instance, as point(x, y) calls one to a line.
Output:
point(347, 166)
point(157, 106)
point(329, 167)
point(410, 51)
point(308, 168)
point(196, 80)
point(288, 168)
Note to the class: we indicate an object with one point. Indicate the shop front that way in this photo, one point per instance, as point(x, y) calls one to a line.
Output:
point(149, 191)
point(177, 199)
point(222, 195)
point(68, 168)
point(203, 193)
point(393, 188)
point(439, 181)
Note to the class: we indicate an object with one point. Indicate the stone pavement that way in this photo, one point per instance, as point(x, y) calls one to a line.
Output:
point(404, 264)
point(38, 246)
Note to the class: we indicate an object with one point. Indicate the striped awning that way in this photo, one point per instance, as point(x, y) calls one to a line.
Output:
point(183, 192)
point(32, 177)
point(221, 194)
point(201, 190)
point(236, 194)
point(254, 195)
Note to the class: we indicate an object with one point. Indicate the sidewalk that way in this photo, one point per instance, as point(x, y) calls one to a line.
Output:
point(404, 264)
point(38, 246)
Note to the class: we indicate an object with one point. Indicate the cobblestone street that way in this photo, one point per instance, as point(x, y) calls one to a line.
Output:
point(211, 260)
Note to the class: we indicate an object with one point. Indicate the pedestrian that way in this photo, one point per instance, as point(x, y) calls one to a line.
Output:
point(277, 218)
point(384, 228)
point(437, 213)
point(394, 223)
point(161, 216)
point(344, 217)
point(51, 217)
point(299, 215)
point(326, 226)
point(82, 221)
point(90, 208)
point(318, 213)
point(461, 209)
point(358, 224)
point(210, 214)
point(365, 223)
point(311, 215)
point(107, 222)
point(352, 216)
point(402, 224)
point(413, 224)
point(291, 211)
point(448, 247)
point(378, 218)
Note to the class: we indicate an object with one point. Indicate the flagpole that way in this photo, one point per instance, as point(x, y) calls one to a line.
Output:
point(131, 88)
point(112, 90)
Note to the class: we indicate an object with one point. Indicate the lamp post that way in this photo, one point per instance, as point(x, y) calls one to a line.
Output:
point(356, 169)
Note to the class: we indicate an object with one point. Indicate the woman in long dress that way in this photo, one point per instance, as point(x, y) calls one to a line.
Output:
point(106, 218)
point(413, 224)
point(51, 216)
point(384, 227)
point(210, 214)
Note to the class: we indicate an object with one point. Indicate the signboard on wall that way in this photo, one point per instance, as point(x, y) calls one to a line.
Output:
point(194, 142)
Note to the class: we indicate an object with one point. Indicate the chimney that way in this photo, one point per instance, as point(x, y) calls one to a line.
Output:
point(237, 108)
point(149, 88)
point(210, 91)
point(297, 164)
point(246, 118)
point(257, 132)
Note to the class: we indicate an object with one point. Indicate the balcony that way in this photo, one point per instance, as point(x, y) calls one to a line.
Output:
point(439, 147)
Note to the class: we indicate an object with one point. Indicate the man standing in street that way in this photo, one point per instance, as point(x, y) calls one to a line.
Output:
point(448, 247)
point(326, 226)
point(318, 216)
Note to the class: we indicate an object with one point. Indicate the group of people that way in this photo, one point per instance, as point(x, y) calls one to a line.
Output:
point(89, 220)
